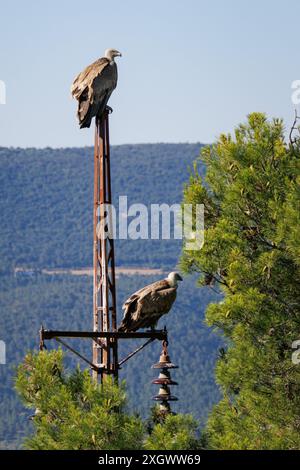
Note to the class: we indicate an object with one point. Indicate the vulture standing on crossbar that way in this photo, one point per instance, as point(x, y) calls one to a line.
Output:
point(144, 308)
point(93, 87)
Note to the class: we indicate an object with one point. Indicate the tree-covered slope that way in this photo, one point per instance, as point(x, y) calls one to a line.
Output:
point(46, 199)
point(46, 221)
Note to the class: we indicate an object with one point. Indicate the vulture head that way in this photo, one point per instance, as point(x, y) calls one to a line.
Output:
point(110, 54)
point(173, 278)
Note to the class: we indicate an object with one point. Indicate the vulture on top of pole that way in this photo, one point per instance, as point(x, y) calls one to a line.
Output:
point(144, 308)
point(94, 85)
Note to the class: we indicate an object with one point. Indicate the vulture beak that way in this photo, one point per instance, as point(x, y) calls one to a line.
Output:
point(179, 278)
point(119, 54)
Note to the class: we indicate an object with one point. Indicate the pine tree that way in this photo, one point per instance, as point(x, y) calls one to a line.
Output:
point(251, 196)
point(175, 432)
point(73, 412)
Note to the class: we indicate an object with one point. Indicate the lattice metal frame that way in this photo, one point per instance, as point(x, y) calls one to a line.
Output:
point(104, 335)
point(105, 353)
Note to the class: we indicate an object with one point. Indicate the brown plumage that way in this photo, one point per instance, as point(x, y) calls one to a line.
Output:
point(144, 308)
point(94, 85)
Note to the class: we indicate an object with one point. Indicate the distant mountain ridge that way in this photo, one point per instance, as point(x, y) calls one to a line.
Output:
point(46, 198)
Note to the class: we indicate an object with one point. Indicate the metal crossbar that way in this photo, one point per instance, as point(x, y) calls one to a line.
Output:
point(152, 335)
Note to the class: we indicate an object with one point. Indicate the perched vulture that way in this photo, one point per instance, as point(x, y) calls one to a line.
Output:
point(144, 308)
point(93, 87)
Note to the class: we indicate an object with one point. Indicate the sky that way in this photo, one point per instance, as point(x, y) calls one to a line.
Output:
point(190, 69)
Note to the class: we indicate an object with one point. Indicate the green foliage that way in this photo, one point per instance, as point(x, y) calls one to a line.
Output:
point(176, 432)
point(64, 302)
point(251, 252)
point(73, 412)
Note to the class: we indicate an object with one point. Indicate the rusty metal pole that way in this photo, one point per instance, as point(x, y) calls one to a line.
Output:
point(105, 354)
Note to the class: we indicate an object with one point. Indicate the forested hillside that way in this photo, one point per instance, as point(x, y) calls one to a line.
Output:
point(46, 199)
point(46, 222)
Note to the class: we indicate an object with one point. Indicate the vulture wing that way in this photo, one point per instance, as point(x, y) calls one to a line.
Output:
point(92, 88)
point(144, 291)
point(144, 308)
point(85, 78)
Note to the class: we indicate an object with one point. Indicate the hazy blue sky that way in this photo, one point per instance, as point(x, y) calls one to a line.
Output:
point(190, 69)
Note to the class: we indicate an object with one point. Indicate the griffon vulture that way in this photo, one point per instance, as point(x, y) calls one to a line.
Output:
point(144, 308)
point(93, 87)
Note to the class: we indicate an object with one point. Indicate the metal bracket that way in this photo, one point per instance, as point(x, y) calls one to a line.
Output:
point(96, 336)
